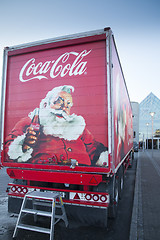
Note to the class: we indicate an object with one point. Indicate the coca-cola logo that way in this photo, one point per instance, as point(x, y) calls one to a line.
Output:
point(35, 126)
point(60, 67)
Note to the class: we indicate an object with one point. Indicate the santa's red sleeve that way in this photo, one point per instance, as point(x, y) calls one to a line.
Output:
point(17, 132)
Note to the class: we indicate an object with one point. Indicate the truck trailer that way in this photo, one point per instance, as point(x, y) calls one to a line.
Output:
point(67, 123)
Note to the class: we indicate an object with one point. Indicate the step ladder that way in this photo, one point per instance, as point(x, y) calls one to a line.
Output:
point(51, 200)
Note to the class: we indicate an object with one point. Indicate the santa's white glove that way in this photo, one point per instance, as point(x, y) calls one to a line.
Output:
point(15, 150)
point(103, 159)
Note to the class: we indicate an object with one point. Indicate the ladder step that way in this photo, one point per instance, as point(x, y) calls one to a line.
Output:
point(41, 213)
point(33, 228)
point(46, 204)
point(37, 212)
point(43, 195)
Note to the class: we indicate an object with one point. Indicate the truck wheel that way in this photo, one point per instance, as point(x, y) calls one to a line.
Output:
point(120, 181)
point(132, 155)
point(131, 159)
point(114, 197)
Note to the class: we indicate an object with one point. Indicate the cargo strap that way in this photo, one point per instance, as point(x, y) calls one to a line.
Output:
point(45, 201)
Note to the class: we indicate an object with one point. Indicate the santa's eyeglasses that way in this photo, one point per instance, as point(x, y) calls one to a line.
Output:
point(61, 102)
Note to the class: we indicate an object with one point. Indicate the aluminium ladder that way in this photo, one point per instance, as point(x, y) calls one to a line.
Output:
point(46, 199)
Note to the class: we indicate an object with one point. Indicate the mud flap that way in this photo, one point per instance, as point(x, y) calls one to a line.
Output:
point(14, 204)
point(87, 216)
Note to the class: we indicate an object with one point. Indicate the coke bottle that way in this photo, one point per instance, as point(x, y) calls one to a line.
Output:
point(35, 123)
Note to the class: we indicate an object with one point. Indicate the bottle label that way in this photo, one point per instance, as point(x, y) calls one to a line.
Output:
point(35, 126)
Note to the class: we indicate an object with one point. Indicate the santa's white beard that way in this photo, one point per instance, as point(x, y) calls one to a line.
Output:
point(69, 127)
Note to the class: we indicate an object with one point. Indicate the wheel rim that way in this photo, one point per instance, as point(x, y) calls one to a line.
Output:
point(121, 183)
point(116, 196)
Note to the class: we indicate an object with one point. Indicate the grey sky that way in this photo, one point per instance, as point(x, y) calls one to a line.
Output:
point(135, 24)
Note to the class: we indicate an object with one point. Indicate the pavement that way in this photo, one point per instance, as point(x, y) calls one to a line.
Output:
point(145, 221)
point(145, 224)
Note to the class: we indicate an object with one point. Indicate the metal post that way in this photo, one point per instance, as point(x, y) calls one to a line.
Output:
point(147, 134)
point(152, 115)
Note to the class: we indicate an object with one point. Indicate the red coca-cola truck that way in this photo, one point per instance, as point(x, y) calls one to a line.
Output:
point(67, 123)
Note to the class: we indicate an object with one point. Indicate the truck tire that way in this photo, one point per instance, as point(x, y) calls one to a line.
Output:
point(120, 181)
point(131, 160)
point(114, 197)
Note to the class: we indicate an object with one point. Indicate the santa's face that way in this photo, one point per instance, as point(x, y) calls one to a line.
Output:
point(56, 120)
point(63, 103)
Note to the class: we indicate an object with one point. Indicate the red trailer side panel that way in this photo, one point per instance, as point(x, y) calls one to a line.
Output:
point(122, 112)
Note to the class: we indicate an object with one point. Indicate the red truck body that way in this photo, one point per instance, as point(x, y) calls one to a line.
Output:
point(84, 150)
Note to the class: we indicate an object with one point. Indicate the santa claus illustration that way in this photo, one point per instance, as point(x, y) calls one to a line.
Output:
point(61, 138)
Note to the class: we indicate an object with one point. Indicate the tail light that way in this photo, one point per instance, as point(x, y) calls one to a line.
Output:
point(103, 198)
point(13, 188)
point(88, 197)
point(25, 190)
point(19, 189)
point(95, 197)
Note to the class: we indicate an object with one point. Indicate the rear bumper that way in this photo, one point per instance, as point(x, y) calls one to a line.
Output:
point(70, 197)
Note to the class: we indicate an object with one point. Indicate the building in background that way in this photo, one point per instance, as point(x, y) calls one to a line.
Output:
point(149, 125)
point(135, 112)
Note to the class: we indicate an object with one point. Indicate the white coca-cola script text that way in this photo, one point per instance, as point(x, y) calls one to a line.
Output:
point(60, 67)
